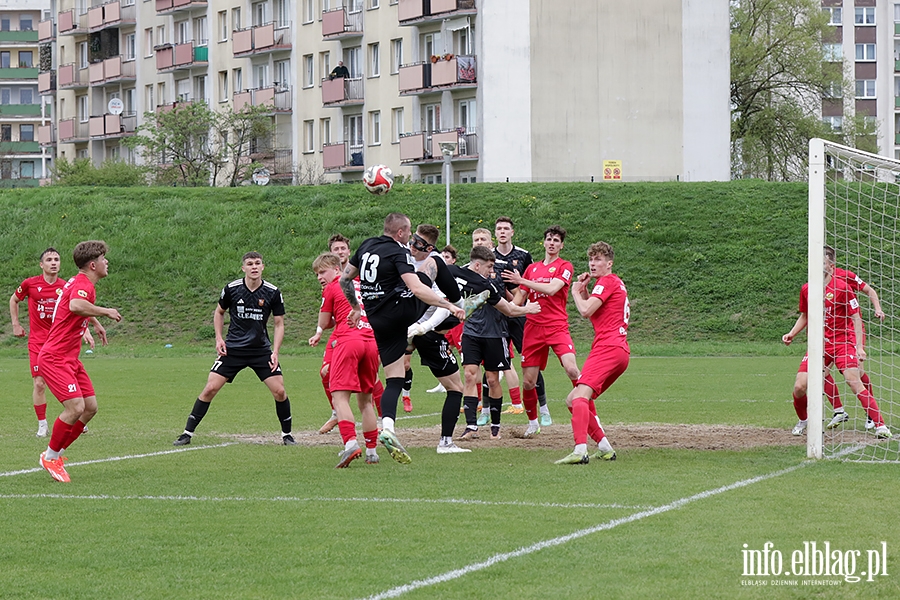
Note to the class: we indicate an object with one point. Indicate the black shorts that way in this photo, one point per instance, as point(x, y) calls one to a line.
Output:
point(390, 323)
point(436, 354)
point(492, 352)
point(230, 365)
point(516, 327)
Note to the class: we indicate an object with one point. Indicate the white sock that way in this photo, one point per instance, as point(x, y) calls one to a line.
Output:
point(406, 393)
point(349, 444)
point(485, 410)
point(545, 410)
point(533, 423)
point(371, 452)
point(446, 441)
point(42, 422)
point(604, 445)
point(50, 454)
point(387, 423)
point(580, 449)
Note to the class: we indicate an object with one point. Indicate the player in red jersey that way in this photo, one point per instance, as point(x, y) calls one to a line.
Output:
point(606, 305)
point(58, 360)
point(354, 362)
point(547, 283)
point(844, 346)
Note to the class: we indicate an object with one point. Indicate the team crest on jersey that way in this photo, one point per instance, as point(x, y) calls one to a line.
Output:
point(19, 290)
point(262, 302)
point(82, 293)
point(829, 296)
point(552, 270)
point(515, 262)
point(59, 291)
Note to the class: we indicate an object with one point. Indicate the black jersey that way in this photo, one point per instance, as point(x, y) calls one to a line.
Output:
point(518, 259)
point(381, 262)
point(486, 322)
point(249, 312)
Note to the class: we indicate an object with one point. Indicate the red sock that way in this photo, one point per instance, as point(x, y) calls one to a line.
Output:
point(327, 387)
point(348, 430)
point(594, 429)
point(580, 416)
point(515, 395)
point(59, 434)
point(74, 432)
point(371, 438)
point(530, 399)
point(800, 407)
point(41, 411)
point(867, 383)
point(478, 392)
point(377, 391)
point(871, 405)
point(832, 393)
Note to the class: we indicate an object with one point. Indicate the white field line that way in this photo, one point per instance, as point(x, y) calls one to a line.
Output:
point(460, 501)
point(499, 558)
point(117, 458)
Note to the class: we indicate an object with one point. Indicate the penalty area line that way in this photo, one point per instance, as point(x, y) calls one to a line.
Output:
point(118, 458)
point(558, 541)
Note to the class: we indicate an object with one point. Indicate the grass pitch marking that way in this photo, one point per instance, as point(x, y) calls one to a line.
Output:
point(117, 458)
point(558, 541)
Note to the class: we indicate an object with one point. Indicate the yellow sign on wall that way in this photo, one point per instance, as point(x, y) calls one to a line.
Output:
point(612, 170)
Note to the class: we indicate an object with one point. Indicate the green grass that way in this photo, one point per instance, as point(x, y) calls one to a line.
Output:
point(266, 521)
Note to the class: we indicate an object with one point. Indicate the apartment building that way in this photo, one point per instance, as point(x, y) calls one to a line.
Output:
point(516, 90)
point(21, 112)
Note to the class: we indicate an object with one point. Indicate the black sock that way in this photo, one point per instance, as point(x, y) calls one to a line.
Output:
point(407, 382)
point(450, 413)
point(470, 406)
point(392, 388)
point(541, 390)
point(283, 410)
point(484, 386)
point(495, 405)
point(197, 414)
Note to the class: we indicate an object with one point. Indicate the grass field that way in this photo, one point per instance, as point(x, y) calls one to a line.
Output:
point(227, 518)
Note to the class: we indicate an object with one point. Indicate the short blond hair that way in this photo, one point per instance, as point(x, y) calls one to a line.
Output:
point(325, 261)
point(600, 249)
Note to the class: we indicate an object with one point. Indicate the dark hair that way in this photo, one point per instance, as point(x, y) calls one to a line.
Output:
point(482, 253)
point(555, 230)
point(338, 238)
point(394, 222)
point(600, 249)
point(427, 232)
point(251, 255)
point(830, 254)
point(451, 251)
point(49, 250)
point(85, 252)
point(503, 220)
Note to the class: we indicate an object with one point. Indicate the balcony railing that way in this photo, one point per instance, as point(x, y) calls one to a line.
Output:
point(47, 134)
point(109, 15)
point(167, 7)
point(46, 30)
point(277, 97)
point(423, 11)
point(71, 23)
point(261, 39)
point(69, 77)
point(47, 82)
point(19, 147)
point(25, 36)
point(342, 91)
point(339, 23)
point(442, 72)
point(112, 70)
point(19, 73)
point(73, 131)
point(112, 126)
point(343, 156)
point(20, 110)
point(175, 57)
point(425, 146)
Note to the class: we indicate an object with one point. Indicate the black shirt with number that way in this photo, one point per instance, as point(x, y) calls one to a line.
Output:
point(249, 312)
point(381, 262)
point(518, 259)
point(487, 321)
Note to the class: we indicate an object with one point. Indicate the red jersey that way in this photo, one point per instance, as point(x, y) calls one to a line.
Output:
point(553, 308)
point(334, 302)
point(610, 321)
point(840, 305)
point(853, 281)
point(64, 339)
point(42, 298)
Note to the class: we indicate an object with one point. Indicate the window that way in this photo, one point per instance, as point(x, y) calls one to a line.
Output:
point(4, 59)
point(161, 93)
point(864, 15)
point(236, 18)
point(375, 128)
point(26, 133)
point(466, 115)
point(160, 35)
point(130, 107)
point(26, 58)
point(397, 128)
point(836, 123)
point(283, 74)
point(200, 88)
point(432, 117)
point(865, 51)
point(148, 41)
point(833, 52)
point(26, 169)
point(325, 59)
point(5, 24)
point(201, 31)
point(238, 79)
point(356, 6)
point(865, 88)
point(308, 11)
point(223, 25)
point(431, 45)
point(432, 179)
point(148, 97)
point(308, 75)
point(83, 113)
point(6, 96)
point(374, 4)
point(835, 90)
point(183, 90)
point(462, 41)
point(5, 133)
point(325, 128)
point(351, 61)
point(467, 177)
point(282, 13)
point(834, 14)
point(25, 23)
point(259, 12)
point(223, 86)
point(83, 55)
point(353, 130)
point(130, 46)
point(26, 96)
point(396, 55)
point(374, 61)
point(260, 76)
point(309, 142)
point(182, 32)
point(896, 13)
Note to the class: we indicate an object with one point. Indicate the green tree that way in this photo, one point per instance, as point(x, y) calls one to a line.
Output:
point(780, 77)
point(112, 173)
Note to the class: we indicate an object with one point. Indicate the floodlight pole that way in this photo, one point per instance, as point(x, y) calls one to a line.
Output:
point(448, 148)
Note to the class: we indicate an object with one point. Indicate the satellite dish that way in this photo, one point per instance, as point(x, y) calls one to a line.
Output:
point(115, 106)
point(261, 176)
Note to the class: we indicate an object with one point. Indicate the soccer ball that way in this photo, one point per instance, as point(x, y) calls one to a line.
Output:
point(378, 179)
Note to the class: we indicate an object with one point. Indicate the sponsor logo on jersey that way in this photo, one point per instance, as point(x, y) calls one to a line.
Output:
point(82, 293)
point(598, 290)
point(829, 296)
point(19, 290)
point(59, 291)
point(551, 270)
point(566, 274)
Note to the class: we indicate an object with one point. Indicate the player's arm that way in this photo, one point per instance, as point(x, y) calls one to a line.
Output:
point(428, 296)
point(83, 308)
point(860, 332)
point(869, 291)
point(346, 282)
point(549, 288)
point(18, 330)
point(587, 306)
point(326, 321)
point(520, 296)
point(219, 327)
point(514, 310)
point(278, 338)
point(101, 333)
point(439, 316)
point(799, 326)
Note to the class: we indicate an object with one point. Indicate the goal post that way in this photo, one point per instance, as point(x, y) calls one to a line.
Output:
point(854, 207)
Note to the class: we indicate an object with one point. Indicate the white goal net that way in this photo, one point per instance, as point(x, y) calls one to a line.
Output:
point(854, 207)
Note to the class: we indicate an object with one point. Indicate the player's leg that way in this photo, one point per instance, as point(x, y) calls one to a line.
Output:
point(450, 411)
point(39, 401)
point(407, 382)
point(347, 427)
point(214, 382)
point(368, 380)
point(494, 401)
point(849, 367)
point(799, 397)
point(324, 372)
point(369, 426)
point(577, 402)
point(275, 383)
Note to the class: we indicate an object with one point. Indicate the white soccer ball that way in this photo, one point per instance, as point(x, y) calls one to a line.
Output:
point(378, 179)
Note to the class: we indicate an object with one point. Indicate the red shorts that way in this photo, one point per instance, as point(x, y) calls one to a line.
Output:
point(537, 342)
point(603, 366)
point(454, 337)
point(354, 366)
point(329, 349)
point(843, 356)
point(66, 378)
point(33, 360)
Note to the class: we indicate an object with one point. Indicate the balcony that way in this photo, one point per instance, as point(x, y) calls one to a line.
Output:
point(70, 78)
point(112, 14)
point(340, 23)
point(112, 126)
point(47, 135)
point(8, 149)
point(19, 38)
point(170, 7)
point(47, 83)
point(20, 110)
point(444, 72)
point(19, 74)
point(72, 131)
point(112, 71)
point(177, 57)
point(343, 157)
point(46, 30)
point(262, 39)
point(72, 24)
point(418, 12)
point(425, 146)
point(276, 97)
point(342, 91)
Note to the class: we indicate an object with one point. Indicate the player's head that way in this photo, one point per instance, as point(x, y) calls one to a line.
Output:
point(503, 229)
point(830, 260)
point(397, 226)
point(252, 265)
point(449, 254)
point(481, 259)
point(50, 261)
point(421, 244)
point(327, 267)
point(600, 259)
point(482, 237)
point(554, 239)
point(91, 256)
point(340, 245)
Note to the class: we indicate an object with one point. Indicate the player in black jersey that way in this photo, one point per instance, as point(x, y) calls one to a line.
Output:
point(249, 302)
point(394, 296)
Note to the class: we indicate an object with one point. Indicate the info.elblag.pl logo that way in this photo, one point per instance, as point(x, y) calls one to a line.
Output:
point(813, 560)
